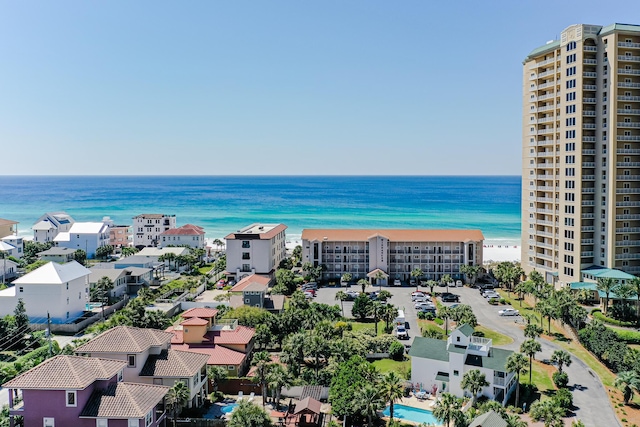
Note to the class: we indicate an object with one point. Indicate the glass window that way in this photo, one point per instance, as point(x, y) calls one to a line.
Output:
point(49, 422)
point(102, 422)
point(133, 423)
point(71, 398)
point(131, 359)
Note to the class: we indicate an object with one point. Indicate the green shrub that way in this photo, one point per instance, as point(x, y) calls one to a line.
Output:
point(438, 321)
point(596, 313)
point(560, 379)
point(503, 301)
point(563, 398)
point(432, 331)
point(396, 351)
point(630, 337)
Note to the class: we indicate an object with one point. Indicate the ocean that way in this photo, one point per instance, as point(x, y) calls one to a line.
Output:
point(224, 204)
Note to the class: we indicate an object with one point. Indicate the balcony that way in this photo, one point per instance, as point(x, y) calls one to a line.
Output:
point(588, 126)
point(545, 108)
point(587, 228)
point(588, 203)
point(544, 199)
point(589, 100)
point(588, 113)
point(586, 254)
point(629, 85)
point(628, 138)
point(479, 345)
point(547, 96)
point(590, 48)
point(628, 98)
point(590, 87)
point(627, 190)
point(627, 242)
point(545, 142)
point(630, 71)
point(629, 44)
point(546, 119)
point(545, 62)
point(628, 177)
point(546, 73)
point(628, 124)
point(628, 230)
point(628, 164)
point(629, 111)
point(588, 190)
point(546, 85)
point(628, 216)
point(628, 151)
point(586, 242)
point(628, 58)
point(545, 131)
point(588, 152)
point(588, 177)
point(628, 256)
point(587, 216)
point(588, 139)
point(590, 74)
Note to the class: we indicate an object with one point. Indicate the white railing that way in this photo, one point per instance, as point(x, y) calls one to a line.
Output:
point(630, 58)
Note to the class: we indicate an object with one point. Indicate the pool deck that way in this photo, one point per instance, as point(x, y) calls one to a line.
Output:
point(414, 402)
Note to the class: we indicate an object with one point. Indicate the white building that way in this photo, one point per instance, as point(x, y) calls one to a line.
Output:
point(441, 365)
point(188, 234)
point(47, 227)
point(57, 289)
point(256, 249)
point(394, 252)
point(148, 227)
point(12, 245)
point(8, 270)
point(88, 236)
point(125, 280)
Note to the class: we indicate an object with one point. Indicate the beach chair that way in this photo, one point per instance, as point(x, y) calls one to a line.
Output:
point(240, 396)
point(251, 396)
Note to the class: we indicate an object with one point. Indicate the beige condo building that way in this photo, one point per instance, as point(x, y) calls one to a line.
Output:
point(581, 152)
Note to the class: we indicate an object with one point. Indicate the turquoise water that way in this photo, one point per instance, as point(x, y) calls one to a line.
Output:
point(223, 204)
point(408, 413)
point(228, 408)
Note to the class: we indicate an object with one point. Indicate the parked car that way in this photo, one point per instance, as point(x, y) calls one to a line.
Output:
point(421, 298)
point(428, 309)
point(397, 282)
point(220, 284)
point(509, 312)
point(401, 333)
point(310, 285)
point(417, 294)
point(412, 282)
point(419, 305)
point(309, 294)
point(459, 283)
point(489, 292)
point(232, 282)
point(351, 295)
point(449, 297)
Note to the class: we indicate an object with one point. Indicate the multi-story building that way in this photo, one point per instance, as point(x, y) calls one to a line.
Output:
point(148, 227)
point(581, 153)
point(8, 227)
point(47, 227)
point(87, 236)
point(396, 253)
point(120, 236)
point(258, 249)
point(189, 234)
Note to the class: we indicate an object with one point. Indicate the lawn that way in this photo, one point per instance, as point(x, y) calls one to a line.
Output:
point(541, 377)
point(528, 312)
point(207, 268)
point(360, 325)
point(497, 338)
point(388, 365)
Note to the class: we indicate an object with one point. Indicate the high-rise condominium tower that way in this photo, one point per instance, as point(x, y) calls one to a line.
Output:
point(581, 152)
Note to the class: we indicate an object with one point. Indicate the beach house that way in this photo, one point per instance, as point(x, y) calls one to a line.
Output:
point(257, 248)
point(8, 227)
point(252, 291)
point(189, 235)
point(12, 245)
point(383, 254)
point(87, 236)
point(148, 227)
point(125, 280)
point(57, 254)
point(120, 236)
point(438, 365)
point(83, 392)
point(150, 359)
point(59, 290)
point(47, 227)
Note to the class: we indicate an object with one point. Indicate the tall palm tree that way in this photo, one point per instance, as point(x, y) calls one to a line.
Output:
point(364, 283)
point(546, 309)
point(128, 251)
point(379, 276)
point(445, 313)
point(561, 358)
point(474, 381)
point(530, 348)
point(635, 285)
point(446, 279)
point(417, 273)
point(277, 378)
point(262, 361)
point(606, 285)
point(247, 414)
point(517, 362)
point(177, 398)
point(532, 331)
point(341, 296)
point(447, 408)
point(389, 313)
point(431, 284)
point(628, 382)
point(346, 278)
point(377, 310)
point(392, 390)
point(368, 401)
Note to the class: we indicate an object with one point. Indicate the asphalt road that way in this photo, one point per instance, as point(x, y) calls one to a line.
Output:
point(590, 397)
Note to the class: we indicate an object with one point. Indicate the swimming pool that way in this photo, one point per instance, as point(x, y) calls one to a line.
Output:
point(229, 408)
point(409, 413)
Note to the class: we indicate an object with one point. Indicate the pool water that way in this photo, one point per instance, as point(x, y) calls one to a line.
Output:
point(409, 413)
point(229, 408)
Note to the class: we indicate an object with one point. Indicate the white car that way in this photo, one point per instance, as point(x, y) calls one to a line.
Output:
point(458, 283)
point(421, 298)
point(417, 294)
point(509, 312)
point(352, 294)
point(420, 305)
point(397, 282)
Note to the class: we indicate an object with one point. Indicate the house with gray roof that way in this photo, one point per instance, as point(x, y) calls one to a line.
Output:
point(84, 392)
point(489, 419)
point(57, 254)
point(125, 280)
point(438, 365)
point(47, 227)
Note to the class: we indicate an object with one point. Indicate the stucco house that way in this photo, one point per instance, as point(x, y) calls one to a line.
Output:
point(224, 341)
point(150, 359)
point(147, 228)
point(8, 270)
point(441, 365)
point(56, 254)
point(47, 227)
point(12, 245)
point(84, 392)
point(88, 236)
point(59, 290)
point(125, 280)
point(8, 227)
point(253, 291)
point(189, 234)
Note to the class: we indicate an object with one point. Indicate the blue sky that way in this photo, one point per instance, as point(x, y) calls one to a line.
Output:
point(272, 87)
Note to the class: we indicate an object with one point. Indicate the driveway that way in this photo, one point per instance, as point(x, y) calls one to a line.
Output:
point(591, 396)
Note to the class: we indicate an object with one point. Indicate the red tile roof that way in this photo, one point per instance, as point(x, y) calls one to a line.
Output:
point(194, 321)
point(218, 355)
point(240, 335)
point(185, 230)
point(203, 313)
point(250, 279)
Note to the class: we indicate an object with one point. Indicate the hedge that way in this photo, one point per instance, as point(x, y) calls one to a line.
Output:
point(596, 313)
point(630, 337)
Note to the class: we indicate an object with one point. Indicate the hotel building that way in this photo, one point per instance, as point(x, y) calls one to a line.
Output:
point(396, 253)
point(581, 153)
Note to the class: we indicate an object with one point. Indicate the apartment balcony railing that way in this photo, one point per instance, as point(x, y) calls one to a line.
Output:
point(545, 131)
point(587, 228)
point(546, 142)
point(544, 176)
point(588, 177)
point(588, 126)
point(544, 211)
point(544, 233)
point(547, 96)
point(628, 216)
point(588, 139)
point(544, 188)
point(628, 124)
point(627, 242)
point(546, 73)
point(628, 177)
point(628, 138)
point(545, 62)
point(588, 203)
point(629, 58)
point(629, 44)
point(545, 153)
point(628, 256)
point(589, 100)
point(588, 190)
point(544, 199)
point(546, 119)
point(628, 111)
point(546, 85)
point(588, 152)
point(628, 98)
point(628, 164)
point(626, 71)
point(588, 164)
point(588, 113)
point(590, 48)
point(590, 61)
point(628, 230)
point(586, 254)
point(586, 241)
point(628, 151)
point(587, 216)
point(544, 108)
point(626, 204)
point(629, 85)
point(589, 87)
point(589, 74)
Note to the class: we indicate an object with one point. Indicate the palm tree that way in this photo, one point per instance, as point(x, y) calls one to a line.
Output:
point(431, 284)
point(364, 283)
point(530, 348)
point(216, 375)
point(346, 278)
point(561, 358)
point(379, 276)
point(417, 273)
point(169, 256)
point(446, 279)
point(368, 402)
point(392, 390)
point(517, 362)
point(447, 408)
point(262, 361)
point(635, 285)
point(177, 398)
point(546, 309)
point(474, 381)
point(128, 251)
point(341, 296)
point(532, 331)
point(548, 411)
point(606, 285)
point(277, 378)
point(247, 414)
point(389, 313)
point(445, 314)
point(628, 382)
point(514, 420)
point(377, 310)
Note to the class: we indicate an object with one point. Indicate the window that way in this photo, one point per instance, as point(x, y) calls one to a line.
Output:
point(456, 373)
point(48, 422)
point(131, 360)
point(102, 422)
point(148, 419)
point(245, 244)
point(71, 399)
point(230, 367)
point(21, 289)
point(245, 255)
point(120, 376)
point(133, 423)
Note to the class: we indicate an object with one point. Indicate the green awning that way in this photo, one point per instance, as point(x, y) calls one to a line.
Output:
point(442, 376)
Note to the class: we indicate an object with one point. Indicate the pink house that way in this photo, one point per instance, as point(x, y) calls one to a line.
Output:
point(84, 392)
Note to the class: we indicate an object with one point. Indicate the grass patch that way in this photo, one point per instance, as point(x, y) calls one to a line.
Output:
point(497, 338)
point(583, 354)
point(541, 377)
point(528, 312)
point(361, 325)
point(207, 268)
point(388, 365)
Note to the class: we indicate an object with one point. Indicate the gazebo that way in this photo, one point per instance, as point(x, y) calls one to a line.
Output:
point(305, 413)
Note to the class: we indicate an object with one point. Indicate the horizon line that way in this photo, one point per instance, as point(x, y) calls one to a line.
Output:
point(257, 175)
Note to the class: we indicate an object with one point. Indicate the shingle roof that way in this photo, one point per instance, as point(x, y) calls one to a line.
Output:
point(394, 235)
point(202, 312)
point(489, 419)
point(496, 360)
point(429, 348)
point(67, 372)
point(54, 273)
point(173, 363)
point(466, 329)
point(125, 339)
point(308, 404)
point(124, 400)
point(216, 354)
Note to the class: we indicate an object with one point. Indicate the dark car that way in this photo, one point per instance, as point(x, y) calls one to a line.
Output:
point(450, 298)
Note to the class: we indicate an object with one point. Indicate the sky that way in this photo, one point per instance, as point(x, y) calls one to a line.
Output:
point(414, 87)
